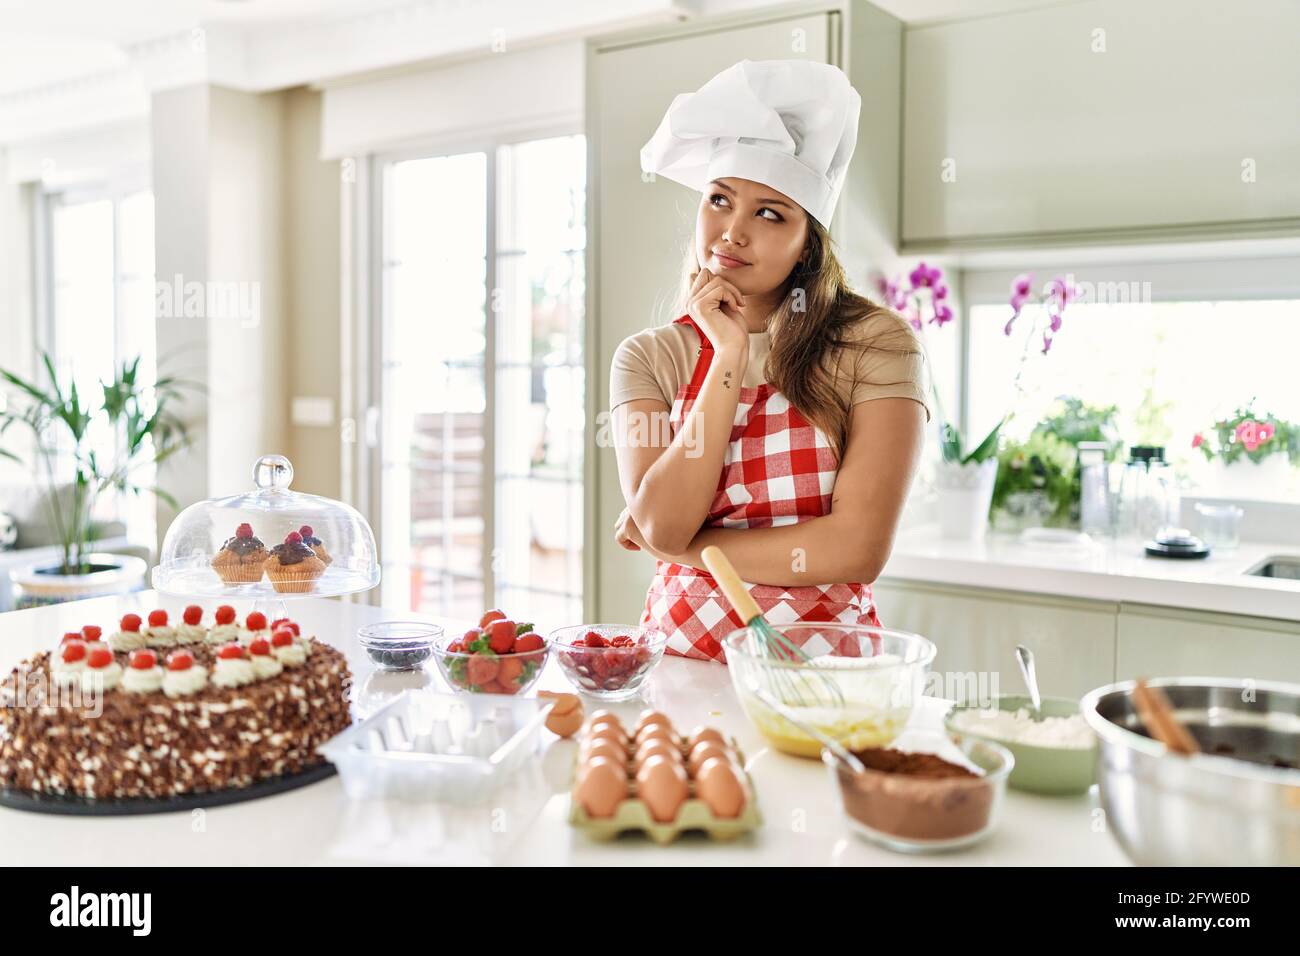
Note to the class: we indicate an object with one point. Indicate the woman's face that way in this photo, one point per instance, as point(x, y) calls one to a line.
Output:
point(749, 234)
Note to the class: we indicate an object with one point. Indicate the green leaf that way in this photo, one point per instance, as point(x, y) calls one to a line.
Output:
point(988, 447)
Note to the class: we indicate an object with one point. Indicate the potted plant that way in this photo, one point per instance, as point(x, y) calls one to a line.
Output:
point(1038, 482)
point(965, 478)
point(1252, 453)
point(74, 474)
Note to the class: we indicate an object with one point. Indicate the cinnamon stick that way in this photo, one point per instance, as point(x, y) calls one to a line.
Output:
point(1157, 715)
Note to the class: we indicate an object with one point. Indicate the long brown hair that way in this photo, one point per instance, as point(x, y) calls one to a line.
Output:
point(820, 314)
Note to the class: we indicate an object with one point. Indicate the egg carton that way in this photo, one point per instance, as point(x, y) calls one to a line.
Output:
point(633, 815)
point(433, 746)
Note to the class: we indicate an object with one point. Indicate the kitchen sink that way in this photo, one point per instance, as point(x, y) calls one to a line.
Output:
point(1278, 566)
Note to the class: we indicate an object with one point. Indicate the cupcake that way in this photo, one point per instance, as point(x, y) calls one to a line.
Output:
point(241, 558)
point(293, 567)
point(313, 542)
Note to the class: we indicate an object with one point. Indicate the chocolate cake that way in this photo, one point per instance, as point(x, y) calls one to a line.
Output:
point(157, 745)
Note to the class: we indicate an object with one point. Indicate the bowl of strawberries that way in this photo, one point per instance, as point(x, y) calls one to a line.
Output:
point(500, 656)
point(608, 661)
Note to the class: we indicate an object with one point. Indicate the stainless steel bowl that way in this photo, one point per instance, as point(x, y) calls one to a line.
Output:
point(1208, 809)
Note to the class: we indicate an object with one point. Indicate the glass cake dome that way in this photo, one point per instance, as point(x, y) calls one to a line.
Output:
point(269, 544)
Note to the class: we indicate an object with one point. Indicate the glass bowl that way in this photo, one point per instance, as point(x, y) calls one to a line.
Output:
point(859, 688)
point(480, 673)
point(614, 672)
point(399, 645)
point(919, 814)
point(206, 554)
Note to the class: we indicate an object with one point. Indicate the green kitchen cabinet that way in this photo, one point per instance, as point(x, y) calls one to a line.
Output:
point(977, 630)
point(1169, 642)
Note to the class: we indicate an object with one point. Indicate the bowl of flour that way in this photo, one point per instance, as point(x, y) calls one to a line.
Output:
point(1056, 754)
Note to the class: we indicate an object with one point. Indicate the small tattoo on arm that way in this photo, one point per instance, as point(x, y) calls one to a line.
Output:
point(726, 379)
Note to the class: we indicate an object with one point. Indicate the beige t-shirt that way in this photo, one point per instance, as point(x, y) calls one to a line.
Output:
point(655, 363)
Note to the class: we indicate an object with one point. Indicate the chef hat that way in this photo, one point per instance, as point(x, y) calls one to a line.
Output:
point(789, 124)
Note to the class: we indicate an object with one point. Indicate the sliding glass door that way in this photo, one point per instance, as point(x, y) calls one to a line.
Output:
point(480, 380)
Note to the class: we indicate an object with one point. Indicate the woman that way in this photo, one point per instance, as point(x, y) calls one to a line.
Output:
point(796, 407)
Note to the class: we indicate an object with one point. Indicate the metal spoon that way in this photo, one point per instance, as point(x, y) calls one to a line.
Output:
point(834, 746)
point(1025, 658)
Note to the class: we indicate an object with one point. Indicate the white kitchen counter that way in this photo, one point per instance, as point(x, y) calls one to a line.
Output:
point(320, 825)
point(1110, 571)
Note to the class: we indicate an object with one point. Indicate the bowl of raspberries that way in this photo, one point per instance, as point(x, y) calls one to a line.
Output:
point(608, 661)
point(500, 656)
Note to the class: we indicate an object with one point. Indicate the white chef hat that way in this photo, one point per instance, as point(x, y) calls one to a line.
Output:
point(789, 124)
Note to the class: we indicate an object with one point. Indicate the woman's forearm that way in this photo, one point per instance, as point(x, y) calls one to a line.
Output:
point(827, 550)
point(675, 494)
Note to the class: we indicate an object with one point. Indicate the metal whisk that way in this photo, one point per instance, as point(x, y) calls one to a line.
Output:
point(792, 685)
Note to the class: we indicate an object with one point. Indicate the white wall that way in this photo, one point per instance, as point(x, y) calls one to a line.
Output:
point(247, 378)
point(180, 158)
point(218, 208)
point(535, 88)
point(312, 292)
point(17, 306)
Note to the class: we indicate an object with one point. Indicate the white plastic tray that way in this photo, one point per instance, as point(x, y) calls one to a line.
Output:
point(429, 745)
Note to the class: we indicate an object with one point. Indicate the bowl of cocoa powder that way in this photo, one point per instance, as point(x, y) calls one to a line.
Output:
point(940, 797)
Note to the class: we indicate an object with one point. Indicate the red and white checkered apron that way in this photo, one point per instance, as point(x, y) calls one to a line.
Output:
point(778, 470)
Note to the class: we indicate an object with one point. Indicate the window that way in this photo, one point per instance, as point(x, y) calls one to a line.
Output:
point(1172, 368)
point(482, 434)
point(102, 314)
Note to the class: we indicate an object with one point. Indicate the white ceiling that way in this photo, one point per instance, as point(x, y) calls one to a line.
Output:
point(46, 43)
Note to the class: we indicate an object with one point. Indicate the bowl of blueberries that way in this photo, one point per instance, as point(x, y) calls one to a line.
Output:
point(399, 645)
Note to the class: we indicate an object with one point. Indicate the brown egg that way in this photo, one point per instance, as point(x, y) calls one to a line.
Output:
point(704, 733)
point(720, 785)
point(661, 783)
point(606, 717)
point(656, 745)
point(602, 787)
point(658, 732)
point(649, 717)
point(565, 718)
point(603, 747)
point(607, 732)
point(703, 751)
